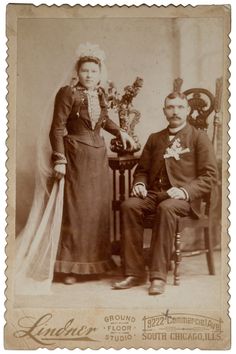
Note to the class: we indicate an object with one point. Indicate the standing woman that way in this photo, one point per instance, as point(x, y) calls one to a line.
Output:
point(79, 155)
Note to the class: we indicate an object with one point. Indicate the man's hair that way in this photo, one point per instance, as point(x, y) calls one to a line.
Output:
point(173, 95)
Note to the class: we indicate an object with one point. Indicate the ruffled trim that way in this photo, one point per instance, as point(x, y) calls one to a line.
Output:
point(84, 268)
point(58, 158)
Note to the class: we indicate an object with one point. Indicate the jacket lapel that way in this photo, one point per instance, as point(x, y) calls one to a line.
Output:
point(163, 140)
point(180, 135)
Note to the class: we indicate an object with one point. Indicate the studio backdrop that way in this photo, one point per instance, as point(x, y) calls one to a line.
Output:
point(157, 50)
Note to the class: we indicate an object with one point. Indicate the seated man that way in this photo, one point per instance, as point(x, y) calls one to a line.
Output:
point(177, 167)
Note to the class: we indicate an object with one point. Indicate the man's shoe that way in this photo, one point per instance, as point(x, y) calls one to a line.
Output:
point(157, 287)
point(70, 280)
point(128, 283)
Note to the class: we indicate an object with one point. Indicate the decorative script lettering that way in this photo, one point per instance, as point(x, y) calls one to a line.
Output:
point(40, 330)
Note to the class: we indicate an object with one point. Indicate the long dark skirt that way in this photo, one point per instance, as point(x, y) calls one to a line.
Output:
point(85, 235)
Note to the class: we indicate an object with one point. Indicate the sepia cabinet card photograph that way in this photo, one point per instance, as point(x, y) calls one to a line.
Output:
point(117, 199)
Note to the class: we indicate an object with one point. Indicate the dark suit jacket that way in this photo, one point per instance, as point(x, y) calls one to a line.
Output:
point(196, 171)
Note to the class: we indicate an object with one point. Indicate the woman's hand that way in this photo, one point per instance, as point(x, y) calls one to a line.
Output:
point(127, 141)
point(59, 170)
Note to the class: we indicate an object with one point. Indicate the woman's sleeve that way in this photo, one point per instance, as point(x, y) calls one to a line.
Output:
point(107, 124)
point(111, 127)
point(62, 108)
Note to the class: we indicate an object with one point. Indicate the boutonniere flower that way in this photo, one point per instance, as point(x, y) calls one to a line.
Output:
point(175, 150)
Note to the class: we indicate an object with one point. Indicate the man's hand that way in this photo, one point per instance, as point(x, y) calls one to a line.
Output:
point(127, 141)
point(59, 170)
point(176, 193)
point(139, 191)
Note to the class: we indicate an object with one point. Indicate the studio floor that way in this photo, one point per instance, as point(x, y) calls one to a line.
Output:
point(197, 290)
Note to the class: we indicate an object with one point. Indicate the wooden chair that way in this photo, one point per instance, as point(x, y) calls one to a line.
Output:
point(202, 103)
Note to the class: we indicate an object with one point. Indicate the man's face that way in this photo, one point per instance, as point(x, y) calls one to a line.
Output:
point(176, 111)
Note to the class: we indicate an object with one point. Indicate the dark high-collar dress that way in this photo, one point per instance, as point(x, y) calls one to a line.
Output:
point(76, 140)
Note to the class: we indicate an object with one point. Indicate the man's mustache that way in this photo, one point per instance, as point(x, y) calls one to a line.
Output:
point(175, 116)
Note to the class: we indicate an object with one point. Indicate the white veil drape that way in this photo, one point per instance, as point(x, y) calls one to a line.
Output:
point(37, 244)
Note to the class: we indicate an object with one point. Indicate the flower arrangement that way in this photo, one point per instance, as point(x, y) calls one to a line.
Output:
point(125, 101)
point(128, 116)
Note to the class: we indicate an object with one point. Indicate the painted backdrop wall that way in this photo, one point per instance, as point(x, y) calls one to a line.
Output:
point(156, 49)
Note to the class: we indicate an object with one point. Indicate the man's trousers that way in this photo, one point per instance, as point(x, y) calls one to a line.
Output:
point(133, 212)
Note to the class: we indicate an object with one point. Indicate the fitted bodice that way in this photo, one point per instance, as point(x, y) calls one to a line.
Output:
point(72, 118)
point(79, 123)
